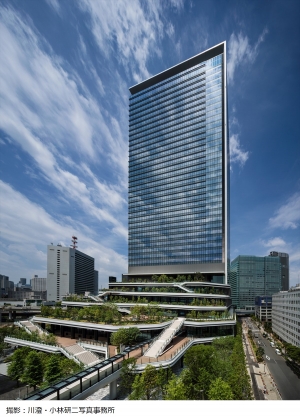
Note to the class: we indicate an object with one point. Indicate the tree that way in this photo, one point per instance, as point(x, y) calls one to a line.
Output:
point(137, 311)
point(33, 373)
point(220, 390)
point(50, 339)
point(68, 366)
point(125, 336)
point(111, 313)
point(16, 368)
point(127, 374)
point(133, 334)
point(199, 277)
point(163, 278)
point(259, 353)
point(53, 370)
point(175, 389)
point(146, 386)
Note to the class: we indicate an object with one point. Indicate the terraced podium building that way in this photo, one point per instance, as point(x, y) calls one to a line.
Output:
point(179, 171)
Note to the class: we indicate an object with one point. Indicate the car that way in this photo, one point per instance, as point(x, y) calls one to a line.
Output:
point(272, 344)
point(278, 351)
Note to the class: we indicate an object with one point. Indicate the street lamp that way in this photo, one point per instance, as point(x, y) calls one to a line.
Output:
point(27, 385)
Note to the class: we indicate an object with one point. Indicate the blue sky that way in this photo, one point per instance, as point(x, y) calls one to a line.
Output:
point(66, 67)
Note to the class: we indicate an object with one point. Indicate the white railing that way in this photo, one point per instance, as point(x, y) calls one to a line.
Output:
point(173, 357)
point(158, 336)
point(91, 342)
point(183, 287)
point(70, 356)
point(24, 327)
point(168, 358)
point(171, 337)
point(44, 332)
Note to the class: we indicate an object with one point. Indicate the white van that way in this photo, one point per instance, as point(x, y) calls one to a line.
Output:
point(277, 351)
point(272, 344)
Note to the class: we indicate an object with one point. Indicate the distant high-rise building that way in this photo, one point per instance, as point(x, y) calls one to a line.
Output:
point(112, 279)
point(22, 281)
point(286, 315)
point(179, 170)
point(252, 276)
point(285, 270)
point(69, 271)
point(96, 282)
point(4, 286)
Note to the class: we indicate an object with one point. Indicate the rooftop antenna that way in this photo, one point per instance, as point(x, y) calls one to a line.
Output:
point(74, 242)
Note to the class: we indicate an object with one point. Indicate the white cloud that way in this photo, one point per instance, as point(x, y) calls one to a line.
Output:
point(55, 5)
point(240, 52)
point(52, 116)
point(133, 29)
point(288, 215)
point(26, 229)
point(275, 243)
point(178, 4)
point(237, 155)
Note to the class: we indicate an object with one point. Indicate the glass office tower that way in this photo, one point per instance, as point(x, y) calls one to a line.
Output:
point(178, 170)
point(252, 276)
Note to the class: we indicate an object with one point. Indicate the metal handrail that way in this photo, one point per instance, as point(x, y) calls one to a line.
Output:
point(91, 342)
point(171, 356)
point(158, 336)
point(40, 329)
point(69, 355)
point(172, 335)
point(24, 327)
point(166, 342)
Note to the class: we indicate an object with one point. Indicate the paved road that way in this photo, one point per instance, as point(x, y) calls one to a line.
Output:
point(287, 382)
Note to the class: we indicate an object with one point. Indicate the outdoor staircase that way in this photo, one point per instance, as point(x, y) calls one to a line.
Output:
point(96, 298)
point(83, 355)
point(164, 338)
point(31, 327)
point(183, 288)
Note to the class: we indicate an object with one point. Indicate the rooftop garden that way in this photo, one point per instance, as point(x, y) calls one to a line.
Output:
point(197, 277)
point(164, 300)
point(108, 313)
point(209, 316)
point(16, 332)
point(203, 290)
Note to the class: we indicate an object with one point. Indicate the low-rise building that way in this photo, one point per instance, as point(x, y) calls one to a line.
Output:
point(263, 308)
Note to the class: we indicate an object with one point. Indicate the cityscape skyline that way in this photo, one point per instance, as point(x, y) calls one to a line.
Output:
point(64, 122)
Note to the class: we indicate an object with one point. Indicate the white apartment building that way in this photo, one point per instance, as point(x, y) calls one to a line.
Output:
point(69, 271)
point(286, 315)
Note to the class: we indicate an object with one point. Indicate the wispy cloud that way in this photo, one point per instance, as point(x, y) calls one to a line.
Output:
point(240, 52)
point(237, 155)
point(55, 5)
point(288, 215)
point(51, 114)
point(40, 228)
point(134, 29)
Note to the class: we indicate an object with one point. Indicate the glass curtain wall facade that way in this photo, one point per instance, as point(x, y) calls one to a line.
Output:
point(251, 276)
point(178, 169)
